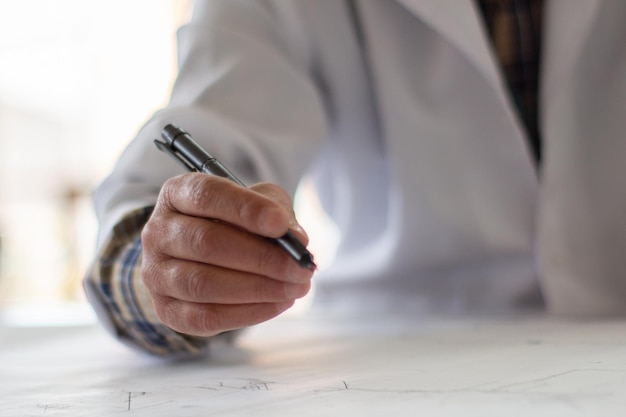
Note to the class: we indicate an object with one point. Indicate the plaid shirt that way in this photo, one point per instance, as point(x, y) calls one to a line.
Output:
point(114, 285)
point(115, 288)
point(515, 30)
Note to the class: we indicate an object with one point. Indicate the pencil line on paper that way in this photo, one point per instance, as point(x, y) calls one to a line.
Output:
point(132, 394)
point(546, 378)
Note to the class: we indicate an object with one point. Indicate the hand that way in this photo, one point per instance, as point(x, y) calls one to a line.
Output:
point(205, 263)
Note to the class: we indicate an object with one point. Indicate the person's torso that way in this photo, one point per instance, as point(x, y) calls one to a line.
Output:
point(427, 169)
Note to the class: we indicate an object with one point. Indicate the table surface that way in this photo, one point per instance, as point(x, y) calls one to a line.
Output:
point(325, 364)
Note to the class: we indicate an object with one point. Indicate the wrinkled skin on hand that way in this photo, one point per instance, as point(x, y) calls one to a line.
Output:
point(206, 262)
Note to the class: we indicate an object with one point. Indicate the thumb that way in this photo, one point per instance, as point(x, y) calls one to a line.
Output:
point(279, 195)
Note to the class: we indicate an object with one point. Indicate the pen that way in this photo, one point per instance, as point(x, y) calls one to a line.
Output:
point(180, 145)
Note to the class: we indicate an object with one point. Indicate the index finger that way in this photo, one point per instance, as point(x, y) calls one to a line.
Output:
point(202, 195)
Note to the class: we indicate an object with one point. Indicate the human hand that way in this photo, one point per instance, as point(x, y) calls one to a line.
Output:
point(206, 262)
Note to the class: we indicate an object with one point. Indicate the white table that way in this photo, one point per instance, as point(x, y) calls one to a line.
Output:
point(323, 365)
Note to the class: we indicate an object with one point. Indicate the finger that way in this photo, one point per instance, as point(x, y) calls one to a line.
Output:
point(278, 194)
point(220, 244)
point(207, 196)
point(274, 193)
point(200, 283)
point(207, 320)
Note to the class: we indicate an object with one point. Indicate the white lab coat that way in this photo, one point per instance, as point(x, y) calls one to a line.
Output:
point(420, 156)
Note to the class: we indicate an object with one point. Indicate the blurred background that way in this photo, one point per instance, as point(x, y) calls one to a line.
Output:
point(77, 80)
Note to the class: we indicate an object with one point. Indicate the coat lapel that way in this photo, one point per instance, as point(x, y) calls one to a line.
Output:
point(567, 23)
point(460, 22)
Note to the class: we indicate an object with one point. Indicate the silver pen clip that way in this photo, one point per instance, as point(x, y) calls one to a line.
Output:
point(179, 158)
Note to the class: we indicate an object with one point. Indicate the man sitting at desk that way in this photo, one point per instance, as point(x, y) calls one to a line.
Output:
point(471, 153)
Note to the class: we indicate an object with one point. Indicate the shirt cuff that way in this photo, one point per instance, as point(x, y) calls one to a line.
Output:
point(116, 291)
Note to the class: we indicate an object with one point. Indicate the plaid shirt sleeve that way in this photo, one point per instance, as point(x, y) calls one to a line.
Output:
point(116, 291)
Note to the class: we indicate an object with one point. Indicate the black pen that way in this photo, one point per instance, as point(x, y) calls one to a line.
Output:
point(181, 146)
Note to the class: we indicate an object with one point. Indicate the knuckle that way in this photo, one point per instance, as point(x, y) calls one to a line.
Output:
point(201, 241)
point(149, 235)
point(204, 194)
point(163, 307)
point(148, 274)
point(199, 194)
point(189, 192)
point(148, 229)
point(248, 210)
point(154, 274)
point(260, 291)
point(167, 193)
point(188, 318)
point(156, 233)
point(151, 268)
point(267, 259)
point(196, 284)
point(209, 321)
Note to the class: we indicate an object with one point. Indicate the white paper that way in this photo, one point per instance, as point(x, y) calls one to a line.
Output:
point(328, 366)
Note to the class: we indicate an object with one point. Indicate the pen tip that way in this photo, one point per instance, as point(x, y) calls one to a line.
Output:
point(307, 262)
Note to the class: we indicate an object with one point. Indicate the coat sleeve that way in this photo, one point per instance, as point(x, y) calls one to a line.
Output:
point(244, 91)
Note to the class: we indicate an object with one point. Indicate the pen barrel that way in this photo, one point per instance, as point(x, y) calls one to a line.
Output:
point(214, 167)
point(192, 152)
point(296, 249)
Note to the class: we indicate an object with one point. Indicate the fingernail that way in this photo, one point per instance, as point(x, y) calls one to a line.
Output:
point(281, 307)
point(295, 226)
point(298, 274)
point(296, 290)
